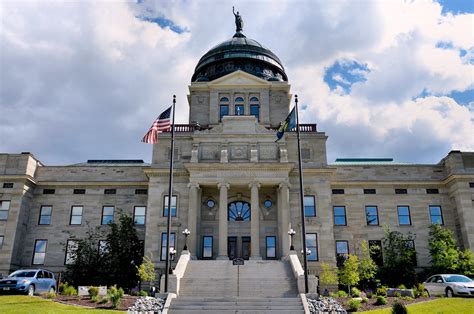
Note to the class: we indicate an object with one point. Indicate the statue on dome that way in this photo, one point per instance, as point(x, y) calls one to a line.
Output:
point(239, 23)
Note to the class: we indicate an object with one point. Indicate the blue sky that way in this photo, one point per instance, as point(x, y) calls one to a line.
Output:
point(381, 78)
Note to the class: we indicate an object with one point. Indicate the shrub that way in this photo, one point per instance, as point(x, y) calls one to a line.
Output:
point(407, 298)
point(142, 293)
point(365, 300)
point(381, 300)
point(418, 290)
point(115, 296)
point(353, 305)
point(381, 291)
point(49, 295)
point(103, 300)
point(402, 286)
point(397, 294)
point(399, 308)
point(93, 292)
point(66, 289)
point(355, 292)
point(342, 294)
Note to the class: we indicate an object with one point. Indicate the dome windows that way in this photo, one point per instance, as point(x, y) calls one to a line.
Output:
point(240, 106)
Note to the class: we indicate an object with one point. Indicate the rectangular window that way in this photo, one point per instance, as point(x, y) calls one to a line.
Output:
point(1, 241)
point(103, 247)
point(110, 191)
point(49, 191)
point(207, 246)
point(71, 249)
point(173, 206)
point(471, 184)
point(375, 249)
point(404, 215)
point(271, 247)
point(45, 215)
point(76, 215)
point(401, 191)
point(340, 216)
point(163, 244)
point(432, 191)
point(239, 110)
point(342, 252)
point(79, 191)
point(224, 111)
point(309, 206)
point(139, 215)
point(410, 245)
point(255, 111)
point(436, 215)
point(370, 191)
point(8, 185)
point(4, 208)
point(312, 245)
point(39, 252)
point(107, 215)
point(372, 215)
point(141, 191)
point(337, 191)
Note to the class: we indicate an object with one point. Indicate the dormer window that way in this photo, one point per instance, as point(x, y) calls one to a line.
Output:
point(255, 107)
point(239, 106)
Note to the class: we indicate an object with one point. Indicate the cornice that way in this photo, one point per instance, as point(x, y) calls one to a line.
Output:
point(20, 177)
point(92, 183)
point(257, 167)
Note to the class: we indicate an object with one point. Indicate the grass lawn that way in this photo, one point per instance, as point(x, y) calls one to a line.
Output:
point(16, 304)
point(438, 306)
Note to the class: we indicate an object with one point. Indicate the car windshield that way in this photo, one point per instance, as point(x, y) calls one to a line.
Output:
point(457, 278)
point(23, 274)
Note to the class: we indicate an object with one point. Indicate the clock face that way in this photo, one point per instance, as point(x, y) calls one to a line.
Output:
point(267, 203)
point(210, 203)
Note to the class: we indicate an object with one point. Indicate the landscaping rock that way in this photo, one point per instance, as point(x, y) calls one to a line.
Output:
point(147, 305)
point(325, 305)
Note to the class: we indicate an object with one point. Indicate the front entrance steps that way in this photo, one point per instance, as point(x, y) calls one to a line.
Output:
point(218, 286)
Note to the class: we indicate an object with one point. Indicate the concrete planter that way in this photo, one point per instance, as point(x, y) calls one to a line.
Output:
point(403, 292)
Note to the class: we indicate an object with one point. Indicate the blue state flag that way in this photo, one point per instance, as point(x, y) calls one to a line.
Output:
point(288, 124)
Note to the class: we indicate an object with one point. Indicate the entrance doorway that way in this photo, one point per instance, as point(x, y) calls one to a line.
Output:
point(238, 249)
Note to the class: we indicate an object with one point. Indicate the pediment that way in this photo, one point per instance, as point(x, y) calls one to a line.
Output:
point(238, 78)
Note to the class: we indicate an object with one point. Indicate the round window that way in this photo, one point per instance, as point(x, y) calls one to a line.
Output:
point(267, 203)
point(210, 203)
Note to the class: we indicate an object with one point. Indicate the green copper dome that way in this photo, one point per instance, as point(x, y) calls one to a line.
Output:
point(239, 53)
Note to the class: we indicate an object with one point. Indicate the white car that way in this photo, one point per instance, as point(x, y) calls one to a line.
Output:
point(449, 285)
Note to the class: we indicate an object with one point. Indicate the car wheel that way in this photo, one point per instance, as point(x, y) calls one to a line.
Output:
point(31, 290)
point(449, 293)
point(428, 293)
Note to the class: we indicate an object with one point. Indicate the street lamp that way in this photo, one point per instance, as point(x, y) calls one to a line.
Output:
point(308, 252)
point(172, 253)
point(186, 232)
point(291, 232)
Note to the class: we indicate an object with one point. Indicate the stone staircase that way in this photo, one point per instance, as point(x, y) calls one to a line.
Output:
point(220, 287)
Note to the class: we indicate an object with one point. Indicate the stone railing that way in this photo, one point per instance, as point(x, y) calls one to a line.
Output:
point(298, 272)
point(178, 272)
point(304, 128)
point(188, 128)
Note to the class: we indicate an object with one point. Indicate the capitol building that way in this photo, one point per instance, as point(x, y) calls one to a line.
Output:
point(235, 188)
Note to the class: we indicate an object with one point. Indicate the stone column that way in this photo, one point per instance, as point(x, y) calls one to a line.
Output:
point(254, 221)
point(192, 217)
point(285, 216)
point(222, 251)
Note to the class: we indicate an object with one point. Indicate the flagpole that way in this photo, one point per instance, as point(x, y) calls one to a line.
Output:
point(303, 223)
point(170, 196)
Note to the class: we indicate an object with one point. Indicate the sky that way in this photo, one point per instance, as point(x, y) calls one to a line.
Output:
point(85, 79)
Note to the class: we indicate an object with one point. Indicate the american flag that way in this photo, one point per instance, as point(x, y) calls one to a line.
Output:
point(162, 123)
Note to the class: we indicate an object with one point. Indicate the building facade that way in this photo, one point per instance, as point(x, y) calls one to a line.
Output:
point(235, 188)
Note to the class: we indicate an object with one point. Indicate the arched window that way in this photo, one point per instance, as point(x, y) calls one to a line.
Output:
point(239, 211)
point(223, 107)
point(224, 99)
point(255, 108)
point(239, 106)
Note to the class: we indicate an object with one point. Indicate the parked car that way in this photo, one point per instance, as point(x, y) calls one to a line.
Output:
point(29, 281)
point(449, 285)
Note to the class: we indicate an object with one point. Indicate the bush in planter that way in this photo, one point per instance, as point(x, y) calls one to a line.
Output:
point(402, 286)
point(115, 296)
point(103, 300)
point(399, 308)
point(418, 290)
point(407, 298)
point(364, 300)
point(397, 294)
point(353, 305)
point(93, 291)
point(48, 295)
point(342, 294)
point(66, 289)
point(381, 300)
point(381, 291)
point(142, 293)
point(355, 292)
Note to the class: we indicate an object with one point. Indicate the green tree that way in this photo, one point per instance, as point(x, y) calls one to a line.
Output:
point(399, 258)
point(443, 249)
point(466, 263)
point(349, 273)
point(367, 266)
point(328, 275)
point(146, 270)
point(124, 252)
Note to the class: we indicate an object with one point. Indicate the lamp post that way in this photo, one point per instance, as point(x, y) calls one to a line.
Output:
point(291, 233)
point(186, 232)
point(172, 253)
point(308, 252)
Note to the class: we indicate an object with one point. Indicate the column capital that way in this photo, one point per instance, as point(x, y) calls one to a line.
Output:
point(193, 185)
point(254, 184)
point(284, 184)
point(223, 185)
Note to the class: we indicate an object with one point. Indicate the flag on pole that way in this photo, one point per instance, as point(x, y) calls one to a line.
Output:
point(162, 123)
point(288, 124)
